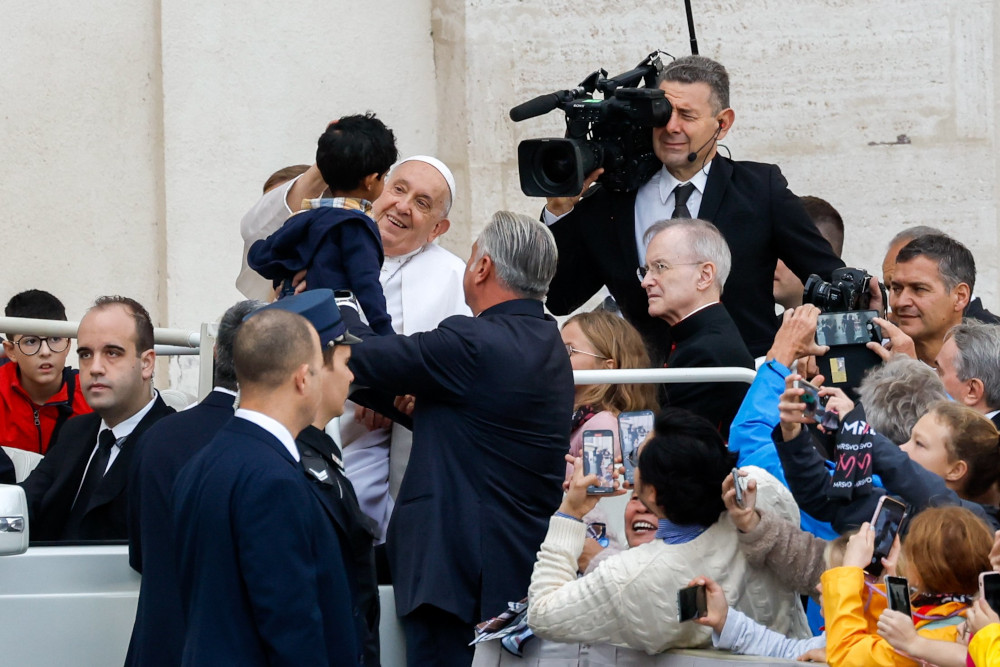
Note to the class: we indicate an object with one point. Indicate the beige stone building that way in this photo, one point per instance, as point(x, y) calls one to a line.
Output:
point(135, 134)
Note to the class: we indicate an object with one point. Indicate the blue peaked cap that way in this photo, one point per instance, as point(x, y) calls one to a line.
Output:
point(319, 307)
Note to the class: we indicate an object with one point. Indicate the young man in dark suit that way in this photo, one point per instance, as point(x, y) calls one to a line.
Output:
point(262, 578)
point(323, 464)
point(686, 266)
point(158, 633)
point(600, 238)
point(493, 400)
point(78, 491)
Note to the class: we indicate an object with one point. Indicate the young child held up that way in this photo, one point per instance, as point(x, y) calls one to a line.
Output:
point(336, 241)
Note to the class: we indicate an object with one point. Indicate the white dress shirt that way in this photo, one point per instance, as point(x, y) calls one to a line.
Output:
point(272, 426)
point(120, 431)
point(654, 201)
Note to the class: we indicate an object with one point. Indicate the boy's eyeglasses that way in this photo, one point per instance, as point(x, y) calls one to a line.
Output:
point(30, 345)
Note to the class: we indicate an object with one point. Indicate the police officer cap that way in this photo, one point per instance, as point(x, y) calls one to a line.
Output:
point(319, 307)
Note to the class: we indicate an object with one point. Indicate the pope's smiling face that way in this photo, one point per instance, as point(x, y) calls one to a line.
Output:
point(411, 211)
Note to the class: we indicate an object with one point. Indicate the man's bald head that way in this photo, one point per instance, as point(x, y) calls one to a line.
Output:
point(270, 346)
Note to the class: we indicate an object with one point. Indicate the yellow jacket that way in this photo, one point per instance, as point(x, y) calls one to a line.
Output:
point(984, 649)
point(851, 629)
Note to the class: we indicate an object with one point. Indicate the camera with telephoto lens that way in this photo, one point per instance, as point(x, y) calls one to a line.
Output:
point(847, 290)
point(614, 133)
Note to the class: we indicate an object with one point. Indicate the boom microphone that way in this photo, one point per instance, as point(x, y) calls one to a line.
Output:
point(691, 156)
point(536, 107)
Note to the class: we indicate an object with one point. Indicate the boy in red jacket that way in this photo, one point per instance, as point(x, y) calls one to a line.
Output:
point(37, 392)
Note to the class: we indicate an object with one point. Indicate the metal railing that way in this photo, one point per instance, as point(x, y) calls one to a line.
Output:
point(177, 338)
point(664, 375)
point(170, 342)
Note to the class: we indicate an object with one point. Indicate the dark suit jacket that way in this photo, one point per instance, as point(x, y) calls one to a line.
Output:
point(751, 205)
point(494, 398)
point(52, 486)
point(261, 578)
point(7, 472)
point(158, 633)
point(708, 339)
point(322, 460)
point(977, 311)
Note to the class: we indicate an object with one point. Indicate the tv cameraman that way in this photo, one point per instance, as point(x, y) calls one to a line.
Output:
point(600, 237)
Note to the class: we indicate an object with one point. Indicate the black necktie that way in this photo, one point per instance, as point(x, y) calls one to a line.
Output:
point(681, 195)
point(97, 468)
point(91, 481)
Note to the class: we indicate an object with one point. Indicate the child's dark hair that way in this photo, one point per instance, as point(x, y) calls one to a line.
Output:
point(35, 304)
point(352, 148)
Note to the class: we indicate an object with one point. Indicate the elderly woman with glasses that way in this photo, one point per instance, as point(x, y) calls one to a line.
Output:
point(630, 599)
point(595, 341)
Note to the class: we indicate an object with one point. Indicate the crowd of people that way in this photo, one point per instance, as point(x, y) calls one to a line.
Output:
point(386, 412)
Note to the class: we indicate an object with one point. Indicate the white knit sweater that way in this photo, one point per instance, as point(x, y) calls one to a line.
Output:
point(631, 598)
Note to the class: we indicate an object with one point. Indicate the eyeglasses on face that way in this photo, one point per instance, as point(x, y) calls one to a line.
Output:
point(30, 345)
point(570, 350)
point(657, 268)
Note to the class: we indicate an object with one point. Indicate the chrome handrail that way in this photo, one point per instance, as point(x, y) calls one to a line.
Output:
point(161, 336)
point(664, 375)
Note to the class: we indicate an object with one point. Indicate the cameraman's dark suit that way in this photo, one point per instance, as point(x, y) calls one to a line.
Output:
point(751, 205)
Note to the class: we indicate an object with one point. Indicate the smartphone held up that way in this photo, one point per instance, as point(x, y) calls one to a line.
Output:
point(599, 459)
point(886, 522)
point(633, 428)
point(692, 603)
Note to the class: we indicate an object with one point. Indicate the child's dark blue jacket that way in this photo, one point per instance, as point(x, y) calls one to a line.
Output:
point(341, 249)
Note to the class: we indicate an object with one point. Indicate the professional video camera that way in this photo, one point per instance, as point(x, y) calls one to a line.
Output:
point(614, 133)
point(848, 290)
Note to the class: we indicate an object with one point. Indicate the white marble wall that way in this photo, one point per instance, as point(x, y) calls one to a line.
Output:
point(134, 135)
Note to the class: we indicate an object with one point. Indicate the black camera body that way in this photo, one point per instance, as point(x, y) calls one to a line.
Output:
point(847, 290)
point(614, 133)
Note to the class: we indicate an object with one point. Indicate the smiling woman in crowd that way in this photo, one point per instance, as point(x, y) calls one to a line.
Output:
point(630, 599)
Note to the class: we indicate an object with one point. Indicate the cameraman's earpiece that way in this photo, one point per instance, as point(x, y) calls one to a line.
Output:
point(694, 155)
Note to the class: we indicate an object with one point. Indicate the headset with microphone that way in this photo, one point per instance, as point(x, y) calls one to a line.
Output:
point(694, 155)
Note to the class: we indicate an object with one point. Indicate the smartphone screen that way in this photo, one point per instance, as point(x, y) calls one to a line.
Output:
point(886, 522)
point(813, 403)
point(854, 327)
point(633, 428)
point(897, 590)
point(691, 603)
point(599, 459)
point(989, 584)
